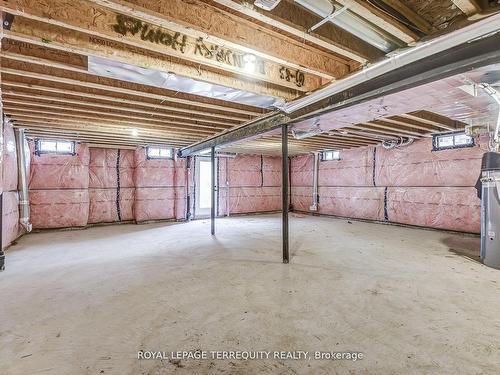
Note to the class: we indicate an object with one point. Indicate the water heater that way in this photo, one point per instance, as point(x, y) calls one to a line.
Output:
point(490, 209)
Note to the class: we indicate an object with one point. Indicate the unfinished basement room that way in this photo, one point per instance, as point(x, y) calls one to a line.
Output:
point(250, 187)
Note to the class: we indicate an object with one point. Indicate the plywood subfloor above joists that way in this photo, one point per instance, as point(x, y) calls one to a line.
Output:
point(92, 30)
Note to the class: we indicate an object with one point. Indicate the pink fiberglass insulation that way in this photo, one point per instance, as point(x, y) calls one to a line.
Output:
point(418, 165)
point(9, 162)
point(248, 184)
point(454, 208)
point(355, 202)
point(10, 218)
point(271, 171)
point(59, 208)
point(301, 170)
point(301, 197)
point(153, 172)
point(244, 171)
point(105, 167)
point(250, 199)
point(355, 168)
point(159, 203)
point(103, 206)
point(161, 188)
point(52, 171)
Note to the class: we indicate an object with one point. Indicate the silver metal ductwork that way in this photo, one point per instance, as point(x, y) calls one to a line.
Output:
point(267, 4)
point(331, 11)
point(351, 22)
point(24, 203)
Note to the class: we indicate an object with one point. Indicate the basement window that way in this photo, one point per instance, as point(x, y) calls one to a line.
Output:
point(49, 146)
point(451, 140)
point(330, 155)
point(159, 153)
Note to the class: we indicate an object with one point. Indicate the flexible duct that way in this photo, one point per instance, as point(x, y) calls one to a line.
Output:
point(24, 204)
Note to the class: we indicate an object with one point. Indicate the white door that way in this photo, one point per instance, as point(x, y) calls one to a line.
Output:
point(203, 189)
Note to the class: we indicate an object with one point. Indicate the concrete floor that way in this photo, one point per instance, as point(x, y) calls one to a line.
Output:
point(84, 302)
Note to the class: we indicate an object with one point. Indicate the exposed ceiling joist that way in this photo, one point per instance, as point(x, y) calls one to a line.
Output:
point(468, 7)
point(410, 15)
point(57, 38)
point(351, 51)
point(112, 123)
point(111, 27)
point(120, 90)
point(119, 104)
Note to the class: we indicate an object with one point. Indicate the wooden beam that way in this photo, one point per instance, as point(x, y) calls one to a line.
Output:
point(58, 38)
point(381, 19)
point(227, 29)
point(104, 23)
point(468, 7)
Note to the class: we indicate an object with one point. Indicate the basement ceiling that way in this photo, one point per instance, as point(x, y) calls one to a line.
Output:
point(48, 88)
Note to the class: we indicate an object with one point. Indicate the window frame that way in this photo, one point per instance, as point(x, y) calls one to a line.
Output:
point(436, 137)
point(334, 159)
point(39, 151)
point(149, 157)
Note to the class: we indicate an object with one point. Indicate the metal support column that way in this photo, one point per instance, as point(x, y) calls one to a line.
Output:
point(212, 206)
point(284, 190)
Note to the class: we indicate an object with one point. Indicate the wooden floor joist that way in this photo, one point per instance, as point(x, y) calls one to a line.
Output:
point(135, 107)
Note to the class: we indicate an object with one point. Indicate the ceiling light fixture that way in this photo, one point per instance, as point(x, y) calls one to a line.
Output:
point(249, 63)
point(134, 132)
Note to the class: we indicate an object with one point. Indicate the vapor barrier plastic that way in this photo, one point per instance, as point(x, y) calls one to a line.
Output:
point(105, 168)
point(10, 219)
point(248, 184)
point(59, 208)
point(250, 200)
point(355, 168)
point(160, 188)
point(418, 165)
point(414, 185)
point(301, 171)
point(155, 204)
point(9, 162)
point(52, 171)
point(454, 208)
point(103, 206)
point(356, 202)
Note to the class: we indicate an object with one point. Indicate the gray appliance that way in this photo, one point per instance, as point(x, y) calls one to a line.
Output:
point(490, 209)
